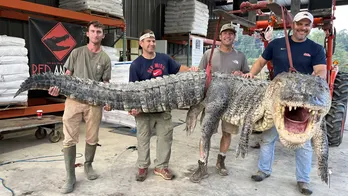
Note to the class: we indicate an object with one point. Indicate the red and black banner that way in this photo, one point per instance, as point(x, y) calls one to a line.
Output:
point(50, 43)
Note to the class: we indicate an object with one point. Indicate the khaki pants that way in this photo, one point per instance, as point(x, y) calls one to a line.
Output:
point(229, 128)
point(162, 123)
point(74, 113)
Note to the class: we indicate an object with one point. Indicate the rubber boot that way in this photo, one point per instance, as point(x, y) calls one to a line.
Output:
point(89, 155)
point(200, 173)
point(220, 165)
point(69, 158)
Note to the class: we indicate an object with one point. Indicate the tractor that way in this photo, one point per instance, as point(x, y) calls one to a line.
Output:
point(261, 16)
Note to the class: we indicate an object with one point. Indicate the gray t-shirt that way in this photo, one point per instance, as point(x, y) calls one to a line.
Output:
point(225, 62)
point(86, 64)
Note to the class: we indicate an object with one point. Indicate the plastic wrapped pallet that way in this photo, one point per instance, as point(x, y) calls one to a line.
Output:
point(119, 75)
point(110, 7)
point(14, 70)
point(186, 16)
point(112, 53)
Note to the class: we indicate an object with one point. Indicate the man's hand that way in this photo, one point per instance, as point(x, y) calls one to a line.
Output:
point(133, 112)
point(237, 73)
point(107, 107)
point(54, 91)
point(194, 68)
point(248, 75)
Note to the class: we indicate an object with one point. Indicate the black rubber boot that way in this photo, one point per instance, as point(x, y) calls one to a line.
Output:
point(304, 188)
point(259, 176)
point(220, 165)
point(200, 173)
point(69, 158)
point(89, 155)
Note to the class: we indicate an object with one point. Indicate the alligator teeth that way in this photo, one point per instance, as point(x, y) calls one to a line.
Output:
point(309, 110)
point(295, 107)
point(313, 112)
point(290, 108)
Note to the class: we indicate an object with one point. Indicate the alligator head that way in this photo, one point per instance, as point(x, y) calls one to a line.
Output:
point(298, 104)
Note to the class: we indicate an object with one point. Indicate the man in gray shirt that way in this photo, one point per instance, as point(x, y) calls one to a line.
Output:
point(225, 60)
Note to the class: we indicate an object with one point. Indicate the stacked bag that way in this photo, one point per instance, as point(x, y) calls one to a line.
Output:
point(111, 7)
point(14, 70)
point(186, 16)
point(112, 53)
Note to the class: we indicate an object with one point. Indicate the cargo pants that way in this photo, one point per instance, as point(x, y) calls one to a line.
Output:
point(74, 113)
point(162, 124)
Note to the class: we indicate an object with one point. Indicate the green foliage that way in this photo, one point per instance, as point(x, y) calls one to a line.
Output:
point(253, 47)
point(341, 48)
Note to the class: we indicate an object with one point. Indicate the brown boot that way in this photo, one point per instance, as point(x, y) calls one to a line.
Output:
point(220, 165)
point(200, 173)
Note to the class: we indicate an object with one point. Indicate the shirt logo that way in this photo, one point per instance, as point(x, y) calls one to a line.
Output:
point(282, 48)
point(157, 72)
point(306, 54)
point(235, 61)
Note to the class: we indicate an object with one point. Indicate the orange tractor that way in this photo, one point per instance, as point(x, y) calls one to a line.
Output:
point(260, 16)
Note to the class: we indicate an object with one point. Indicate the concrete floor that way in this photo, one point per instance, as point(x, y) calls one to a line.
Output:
point(116, 165)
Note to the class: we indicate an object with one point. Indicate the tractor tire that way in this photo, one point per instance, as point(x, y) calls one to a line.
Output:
point(335, 121)
point(340, 92)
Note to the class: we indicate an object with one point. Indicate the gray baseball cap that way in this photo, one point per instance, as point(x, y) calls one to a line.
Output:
point(227, 26)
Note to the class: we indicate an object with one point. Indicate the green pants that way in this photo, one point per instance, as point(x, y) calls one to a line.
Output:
point(162, 124)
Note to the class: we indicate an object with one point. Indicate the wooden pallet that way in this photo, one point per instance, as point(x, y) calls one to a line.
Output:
point(101, 14)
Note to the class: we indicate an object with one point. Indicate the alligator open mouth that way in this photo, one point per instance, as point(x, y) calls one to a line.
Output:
point(298, 119)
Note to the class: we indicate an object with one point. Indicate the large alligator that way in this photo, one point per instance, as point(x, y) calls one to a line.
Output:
point(293, 102)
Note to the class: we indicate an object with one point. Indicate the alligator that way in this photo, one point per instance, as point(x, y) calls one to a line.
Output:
point(53, 41)
point(292, 102)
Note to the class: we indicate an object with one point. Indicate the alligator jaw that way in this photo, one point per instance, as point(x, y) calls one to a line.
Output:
point(296, 124)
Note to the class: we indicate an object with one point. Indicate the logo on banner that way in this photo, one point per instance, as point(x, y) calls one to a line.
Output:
point(59, 41)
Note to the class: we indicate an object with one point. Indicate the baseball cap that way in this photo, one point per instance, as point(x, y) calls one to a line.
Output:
point(227, 27)
point(302, 15)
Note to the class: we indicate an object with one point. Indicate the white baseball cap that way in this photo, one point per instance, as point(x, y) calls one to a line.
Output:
point(302, 15)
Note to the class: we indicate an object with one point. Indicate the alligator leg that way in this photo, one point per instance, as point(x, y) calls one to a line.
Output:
point(244, 138)
point(191, 117)
point(320, 145)
point(216, 105)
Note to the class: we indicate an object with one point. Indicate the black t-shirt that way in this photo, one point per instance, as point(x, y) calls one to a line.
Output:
point(143, 69)
point(305, 55)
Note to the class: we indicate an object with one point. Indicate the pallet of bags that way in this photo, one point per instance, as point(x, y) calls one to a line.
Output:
point(97, 7)
point(186, 16)
point(119, 76)
point(14, 70)
point(112, 53)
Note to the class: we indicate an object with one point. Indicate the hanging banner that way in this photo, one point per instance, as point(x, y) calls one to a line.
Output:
point(50, 43)
point(197, 51)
